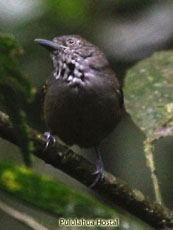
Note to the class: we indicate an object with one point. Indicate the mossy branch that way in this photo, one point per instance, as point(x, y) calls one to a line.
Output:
point(111, 188)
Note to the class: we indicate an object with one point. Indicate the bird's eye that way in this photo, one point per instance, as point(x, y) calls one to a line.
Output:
point(71, 41)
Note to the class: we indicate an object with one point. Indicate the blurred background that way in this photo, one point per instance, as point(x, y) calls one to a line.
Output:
point(127, 31)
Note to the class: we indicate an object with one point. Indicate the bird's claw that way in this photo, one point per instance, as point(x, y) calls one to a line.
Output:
point(99, 172)
point(49, 140)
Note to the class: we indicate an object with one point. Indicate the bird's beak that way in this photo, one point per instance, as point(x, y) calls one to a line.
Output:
point(50, 45)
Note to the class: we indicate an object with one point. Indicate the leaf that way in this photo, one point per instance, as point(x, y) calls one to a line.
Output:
point(149, 94)
point(149, 101)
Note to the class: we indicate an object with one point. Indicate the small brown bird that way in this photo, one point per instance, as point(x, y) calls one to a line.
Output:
point(83, 100)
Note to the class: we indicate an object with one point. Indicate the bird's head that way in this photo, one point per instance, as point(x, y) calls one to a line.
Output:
point(73, 56)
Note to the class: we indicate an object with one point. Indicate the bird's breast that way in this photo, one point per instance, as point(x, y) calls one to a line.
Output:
point(81, 112)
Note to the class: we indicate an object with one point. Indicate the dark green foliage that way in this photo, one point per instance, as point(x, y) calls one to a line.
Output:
point(15, 91)
point(74, 13)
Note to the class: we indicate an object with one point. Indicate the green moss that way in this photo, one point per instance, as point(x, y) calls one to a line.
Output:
point(58, 198)
point(46, 194)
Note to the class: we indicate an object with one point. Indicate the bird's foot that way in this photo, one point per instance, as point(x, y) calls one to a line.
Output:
point(99, 172)
point(50, 140)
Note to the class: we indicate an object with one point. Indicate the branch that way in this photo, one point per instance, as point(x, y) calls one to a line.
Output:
point(112, 188)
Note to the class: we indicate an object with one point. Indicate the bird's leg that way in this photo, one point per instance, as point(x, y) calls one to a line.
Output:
point(99, 168)
point(49, 139)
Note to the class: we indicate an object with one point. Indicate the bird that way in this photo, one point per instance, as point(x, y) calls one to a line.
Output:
point(83, 99)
